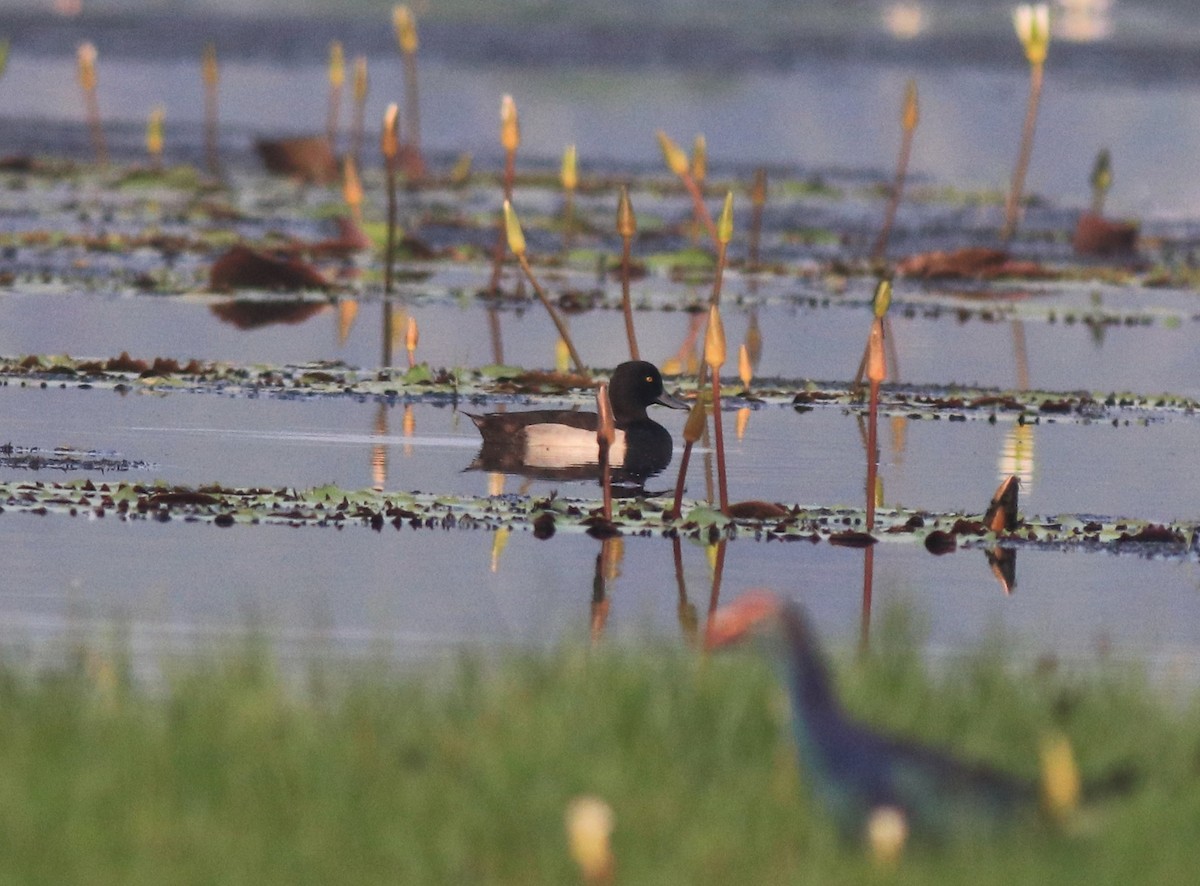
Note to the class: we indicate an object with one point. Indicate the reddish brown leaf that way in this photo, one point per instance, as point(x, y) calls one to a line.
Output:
point(245, 268)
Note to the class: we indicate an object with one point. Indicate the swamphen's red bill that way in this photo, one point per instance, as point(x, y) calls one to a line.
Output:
point(735, 621)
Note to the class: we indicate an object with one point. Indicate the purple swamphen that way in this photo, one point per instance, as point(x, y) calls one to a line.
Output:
point(854, 770)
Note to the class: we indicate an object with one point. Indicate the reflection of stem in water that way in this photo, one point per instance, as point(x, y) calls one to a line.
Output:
point(387, 333)
point(408, 427)
point(1020, 355)
point(1017, 456)
point(864, 630)
point(607, 568)
point(714, 597)
point(379, 453)
point(688, 622)
point(494, 333)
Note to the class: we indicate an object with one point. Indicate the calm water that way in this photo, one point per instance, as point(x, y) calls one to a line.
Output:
point(821, 94)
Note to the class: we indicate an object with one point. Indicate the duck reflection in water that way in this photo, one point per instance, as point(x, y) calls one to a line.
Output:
point(560, 444)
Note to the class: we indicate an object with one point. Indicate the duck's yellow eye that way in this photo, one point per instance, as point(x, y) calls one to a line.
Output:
point(649, 379)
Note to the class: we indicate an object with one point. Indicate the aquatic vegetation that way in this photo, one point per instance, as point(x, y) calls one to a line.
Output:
point(1032, 22)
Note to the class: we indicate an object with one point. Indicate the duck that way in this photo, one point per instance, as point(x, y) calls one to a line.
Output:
point(560, 444)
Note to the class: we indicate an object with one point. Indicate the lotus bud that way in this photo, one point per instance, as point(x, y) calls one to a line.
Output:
point(626, 220)
point(745, 371)
point(337, 65)
point(352, 190)
point(1102, 176)
point(562, 356)
point(887, 832)
point(154, 131)
point(412, 336)
point(725, 223)
point(876, 361)
point(714, 339)
point(406, 29)
point(758, 191)
point(86, 56)
point(512, 228)
point(699, 159)
point(570, 169)
point(390, 142)
point(510, 127)
point(693, 428)
point(589, 823)
point(1061, 784)
point(882, 299)
point(360, 79)
point(462, 168)
point(209, 70)
point(912, 109)
point(1032, 22)
point(674, 156)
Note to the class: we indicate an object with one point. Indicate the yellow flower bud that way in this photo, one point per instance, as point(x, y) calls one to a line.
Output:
point(360, 79)
point(693, 429)
point(876, 360)
point(208, 65)
point(589, 823)
point(745, 372)
point(512, 228)
point(699, 159)
point(1061, 784)
point(154, 131)
point(337, 65)
point(714, 339)
point(406, 29)
point(674, 156)
point(887, 832)
point(510, 127)
point(883, 298)
point(390, 142)
point(412, 335)
point(912, 110)
point(725, 223)
point(758, 191)
point(352, 191)
point(86, 56)
point(570, 168)
point(626, 220)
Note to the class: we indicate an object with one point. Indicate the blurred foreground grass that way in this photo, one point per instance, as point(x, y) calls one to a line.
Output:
point(232, 773)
